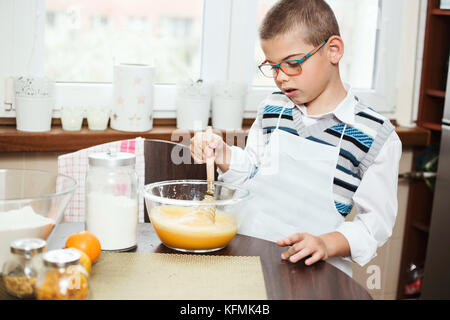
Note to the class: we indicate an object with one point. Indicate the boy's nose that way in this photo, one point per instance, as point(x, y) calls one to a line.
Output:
point(281, 76)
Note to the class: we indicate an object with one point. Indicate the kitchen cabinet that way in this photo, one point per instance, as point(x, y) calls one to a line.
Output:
point(430, 113)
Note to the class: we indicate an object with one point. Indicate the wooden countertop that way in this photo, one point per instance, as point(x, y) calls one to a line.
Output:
point(284, 280)
point(58, 140)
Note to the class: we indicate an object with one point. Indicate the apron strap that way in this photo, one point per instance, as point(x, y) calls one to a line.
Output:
point(340, 140)
point(342, 137)
point(279, 118)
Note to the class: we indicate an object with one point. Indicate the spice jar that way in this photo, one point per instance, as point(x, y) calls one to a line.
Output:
point(21, 270)
point(112, 200)
point(62, 277)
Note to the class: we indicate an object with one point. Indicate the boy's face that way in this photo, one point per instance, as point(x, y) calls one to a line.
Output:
point(316, 70)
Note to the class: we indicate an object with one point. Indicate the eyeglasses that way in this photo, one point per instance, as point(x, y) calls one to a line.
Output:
point(289, 67)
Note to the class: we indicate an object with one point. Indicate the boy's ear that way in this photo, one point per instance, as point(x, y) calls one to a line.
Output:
point(335, 49)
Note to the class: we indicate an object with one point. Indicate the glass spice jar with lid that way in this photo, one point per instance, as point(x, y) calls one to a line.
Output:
point(62, 277)
point(20, 271)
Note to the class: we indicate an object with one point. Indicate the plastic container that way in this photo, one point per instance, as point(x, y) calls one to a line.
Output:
point(112, 200)
point(180, 216)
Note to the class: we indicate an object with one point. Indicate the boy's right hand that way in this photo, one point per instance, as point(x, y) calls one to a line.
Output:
point(203, 146)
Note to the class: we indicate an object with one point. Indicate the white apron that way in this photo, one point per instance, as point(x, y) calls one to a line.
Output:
point(293, 191)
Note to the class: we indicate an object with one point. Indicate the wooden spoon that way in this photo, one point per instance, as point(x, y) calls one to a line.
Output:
point(210, 192)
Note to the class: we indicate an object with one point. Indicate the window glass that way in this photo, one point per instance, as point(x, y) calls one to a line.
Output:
point(84, 38)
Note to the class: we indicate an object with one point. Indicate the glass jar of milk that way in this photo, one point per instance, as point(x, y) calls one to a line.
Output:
point(112, 200)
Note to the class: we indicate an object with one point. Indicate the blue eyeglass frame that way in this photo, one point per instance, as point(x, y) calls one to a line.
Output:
point(278, 66)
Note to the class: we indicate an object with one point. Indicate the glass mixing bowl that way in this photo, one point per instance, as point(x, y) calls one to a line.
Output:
point(32, 203)
point(180, 217)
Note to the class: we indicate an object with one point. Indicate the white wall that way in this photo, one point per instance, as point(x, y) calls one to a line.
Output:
point(409, 50)
point(6, 28)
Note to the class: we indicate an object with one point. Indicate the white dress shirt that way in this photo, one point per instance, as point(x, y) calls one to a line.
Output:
point(375, 200)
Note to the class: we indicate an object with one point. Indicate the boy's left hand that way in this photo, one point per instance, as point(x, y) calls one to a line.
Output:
point(302, 246)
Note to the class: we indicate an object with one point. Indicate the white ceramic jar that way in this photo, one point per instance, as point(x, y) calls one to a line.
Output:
point(132, 108)
point(34, 102)
point(193, 101)
point(228, 103)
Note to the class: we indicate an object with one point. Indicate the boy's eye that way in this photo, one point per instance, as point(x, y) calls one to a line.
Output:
point(291, 63)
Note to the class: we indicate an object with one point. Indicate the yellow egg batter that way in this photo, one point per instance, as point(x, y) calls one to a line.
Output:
point(190, 229)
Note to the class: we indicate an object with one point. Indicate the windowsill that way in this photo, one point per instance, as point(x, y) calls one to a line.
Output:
point(58, 140)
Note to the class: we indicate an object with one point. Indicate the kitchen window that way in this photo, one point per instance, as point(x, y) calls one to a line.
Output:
point(87, 37)
point(76, 42)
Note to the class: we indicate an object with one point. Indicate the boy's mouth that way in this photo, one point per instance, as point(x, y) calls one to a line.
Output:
point(290, 92)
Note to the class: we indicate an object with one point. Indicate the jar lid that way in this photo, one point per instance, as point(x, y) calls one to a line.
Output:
point(61, 257)
point(112, 159)
point(28, 246)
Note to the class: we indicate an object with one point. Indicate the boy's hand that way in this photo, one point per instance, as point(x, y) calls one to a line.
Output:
point(302, 246)
point(203, 146)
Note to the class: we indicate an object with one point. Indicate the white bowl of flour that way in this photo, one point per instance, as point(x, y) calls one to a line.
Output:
point(32, 203)
point(22, 223)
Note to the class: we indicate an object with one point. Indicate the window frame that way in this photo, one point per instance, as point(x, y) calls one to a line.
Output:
point(228, 40)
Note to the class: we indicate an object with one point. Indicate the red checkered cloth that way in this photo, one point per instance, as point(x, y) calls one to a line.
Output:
point(76, 165)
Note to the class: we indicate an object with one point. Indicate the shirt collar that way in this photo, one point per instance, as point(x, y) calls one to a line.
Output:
point(345, 111)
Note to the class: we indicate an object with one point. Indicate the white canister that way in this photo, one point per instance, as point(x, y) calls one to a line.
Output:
point(34, 114)
point(112, 200)
point(228, 103)
point(34, 102)
point(132, 98)
point(193, 102)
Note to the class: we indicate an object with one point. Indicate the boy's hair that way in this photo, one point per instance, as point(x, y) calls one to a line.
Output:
point(315, 18)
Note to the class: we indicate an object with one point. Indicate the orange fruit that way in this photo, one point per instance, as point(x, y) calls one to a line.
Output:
point(85, 261)
point(86, 242)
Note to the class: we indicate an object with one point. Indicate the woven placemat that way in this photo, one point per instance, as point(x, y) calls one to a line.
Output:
point(163, 276)
point(166, 276)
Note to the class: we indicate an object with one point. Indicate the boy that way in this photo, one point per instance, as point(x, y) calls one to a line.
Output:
point(328, 151)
